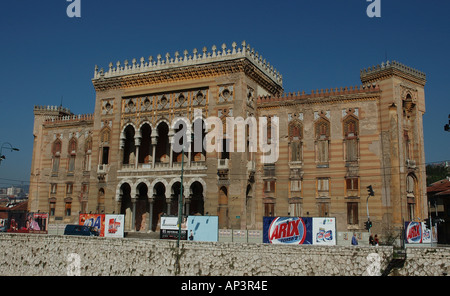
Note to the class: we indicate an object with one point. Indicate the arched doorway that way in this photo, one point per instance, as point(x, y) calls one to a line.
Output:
point(162, 147)
point(129, 148)
point(175, 197)
point(196, 206)
point(159, 204)
point(142, 208)
point(145, 149)
point(126, 205)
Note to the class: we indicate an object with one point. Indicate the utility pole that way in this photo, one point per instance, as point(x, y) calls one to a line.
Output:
point(368, 224)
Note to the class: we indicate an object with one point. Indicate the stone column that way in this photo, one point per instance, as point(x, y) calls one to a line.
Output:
point(153, 152)
point(187, 202)
point(133, 214)
point(168, 203)
point(137, 144)
point(150, 214)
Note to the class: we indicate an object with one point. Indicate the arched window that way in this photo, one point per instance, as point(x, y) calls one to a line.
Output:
point(87, 154)
point(56, 151)
point(105, 135)
point(72, 150)
point(322, 131)
point(295, 141)
point(351, 133)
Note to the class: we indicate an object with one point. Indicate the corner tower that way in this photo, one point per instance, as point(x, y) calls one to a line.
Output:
point(402, 106)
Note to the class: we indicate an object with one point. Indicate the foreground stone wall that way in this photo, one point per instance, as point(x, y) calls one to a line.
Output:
point(65, 255)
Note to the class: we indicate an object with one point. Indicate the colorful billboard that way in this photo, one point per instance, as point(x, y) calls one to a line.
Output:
point(203, 228)
point(27, 222)
point(287, 230)
point(114, 225)
point(169, 228)
point(299, 230)
point(95, 220)
point(418, 233)
point(324, 231)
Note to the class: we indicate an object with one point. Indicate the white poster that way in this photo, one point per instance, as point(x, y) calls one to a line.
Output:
point(114, 225)
point(324, 231)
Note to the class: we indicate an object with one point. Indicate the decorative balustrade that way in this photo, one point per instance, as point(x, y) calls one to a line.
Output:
point(186, 59)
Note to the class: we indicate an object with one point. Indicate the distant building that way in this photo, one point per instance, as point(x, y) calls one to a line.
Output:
point(439, 198)
point(333, 143)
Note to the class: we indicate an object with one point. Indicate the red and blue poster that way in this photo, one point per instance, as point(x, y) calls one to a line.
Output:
point(413, 232)
point(287, 230)
point(417, 233)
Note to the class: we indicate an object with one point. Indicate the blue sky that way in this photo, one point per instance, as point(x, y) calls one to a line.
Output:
point(45, 55)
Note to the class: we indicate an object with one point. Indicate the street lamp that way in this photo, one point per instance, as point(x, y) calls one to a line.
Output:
point(180, 199)
point(11, 148)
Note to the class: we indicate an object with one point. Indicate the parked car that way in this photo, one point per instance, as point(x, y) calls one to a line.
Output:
point(81, 230)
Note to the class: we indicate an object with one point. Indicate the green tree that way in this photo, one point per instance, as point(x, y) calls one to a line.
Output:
point(436, 172)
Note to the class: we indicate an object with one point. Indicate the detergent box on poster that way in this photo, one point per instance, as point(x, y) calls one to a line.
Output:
point(95, 220)
point(287, 230)
point(114, 225)
point(324, 231)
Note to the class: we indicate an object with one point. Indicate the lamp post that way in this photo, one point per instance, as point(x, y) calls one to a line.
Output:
point(180, 199)
point(11, 148)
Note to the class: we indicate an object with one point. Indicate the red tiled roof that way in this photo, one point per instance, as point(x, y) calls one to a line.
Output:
point(439, 186)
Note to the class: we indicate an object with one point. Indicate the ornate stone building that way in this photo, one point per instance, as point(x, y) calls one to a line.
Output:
point(333, 143)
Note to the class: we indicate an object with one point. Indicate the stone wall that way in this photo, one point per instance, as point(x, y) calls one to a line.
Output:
point(30, 255)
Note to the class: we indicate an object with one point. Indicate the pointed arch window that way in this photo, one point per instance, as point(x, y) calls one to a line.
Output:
point(295, 141)
point(351, 138)
point(322, 130)
point(87, 154)
point(104, 145)
point(56, 151)
point(72, 150)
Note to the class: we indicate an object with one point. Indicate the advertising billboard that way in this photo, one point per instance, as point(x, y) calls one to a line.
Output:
point(169, 228)
point(287, 230)
point(299, 230)
point(418, 233)
point(203, 228)
point(114, 225)
point(95, 220)
point(27, 222)
point(324, 231)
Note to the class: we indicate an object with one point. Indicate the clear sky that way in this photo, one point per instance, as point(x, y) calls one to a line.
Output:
point(45, 55)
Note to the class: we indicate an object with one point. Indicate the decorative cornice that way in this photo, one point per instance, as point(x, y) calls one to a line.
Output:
point(225, 61)
point(362, 92)
point(389, 69)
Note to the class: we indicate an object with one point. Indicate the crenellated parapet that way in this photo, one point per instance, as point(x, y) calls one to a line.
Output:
point(51, 110)
point(204, 62)
point(388, 69)
point(322, 93)
point(69, 118)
